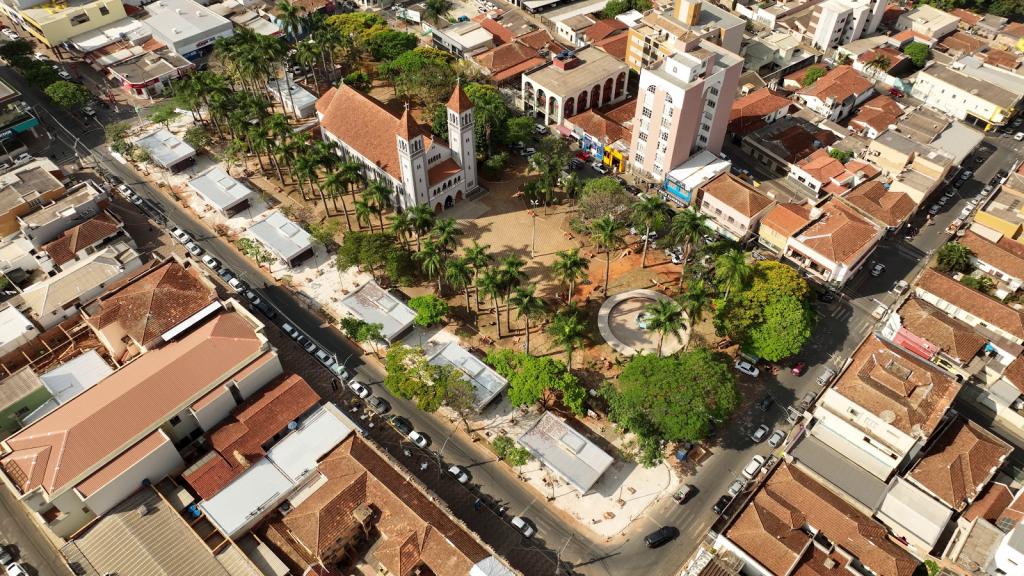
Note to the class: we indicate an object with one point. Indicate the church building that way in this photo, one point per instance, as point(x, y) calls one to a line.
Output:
point(401, 154)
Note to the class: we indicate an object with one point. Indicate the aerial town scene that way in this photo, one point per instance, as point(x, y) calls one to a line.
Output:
point(511, 287)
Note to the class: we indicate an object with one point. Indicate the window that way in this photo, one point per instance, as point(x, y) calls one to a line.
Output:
point(104, 11)
point(651, 89)
point(714, 91)
point(669, 112)
point(705, 127)
point(639, 159)
point(642, 137)
point(668, 98)
point(175, 420)
point(703, 139)
point(79, 19)
point(646, 113)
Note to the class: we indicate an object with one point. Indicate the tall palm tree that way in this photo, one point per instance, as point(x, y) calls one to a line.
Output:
point(732, 270)
point(567, 331)
point(352, 173)
point(880, 63)
point(459, 276)
point(570, 267)
point(437, 9)
point(401, 226)
point(290, 17)
point(334, 186)
point(687, 228)
point(664, 317)
point(380, 198)
point(479, 258)
point(307, 54)
point(512, 276)
point(490, 284)
point(445, 233)
point(432, 262)
point(422, 221)
point(695, 300)
point(648, 214)
point(364, 213)
point(605, 231)
point(527, 306)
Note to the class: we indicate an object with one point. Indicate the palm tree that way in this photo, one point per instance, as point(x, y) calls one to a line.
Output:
point(458, 275)
point(512, 276)
point(490, 284)
point(527, 305)
point(567, 331)
point(687, 228)
point(422, 221)
point(955, 257)
point(648, 214)
point(431, 262)
point(445, 233)
point(571, 186)
point(364, 213)
point(437, 9)
point(569, 267)
point(290, 17)
point(664, 317)
point(401, 226)
point(380, 198)
point(605, 231)
point(732, 270)
point(695, 300)
point(334, 186)
point(352, 174)
point(478, 258)
point(880, 63)
point(307, 54)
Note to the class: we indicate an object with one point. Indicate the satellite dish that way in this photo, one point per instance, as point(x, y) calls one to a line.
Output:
point(293, 425)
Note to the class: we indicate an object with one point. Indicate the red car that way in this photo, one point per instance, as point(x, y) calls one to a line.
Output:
point(896, 93)
point(583, 155)
point(799, 368)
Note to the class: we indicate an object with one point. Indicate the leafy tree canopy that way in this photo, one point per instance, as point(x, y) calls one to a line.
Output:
point(616, 7)
point(812, 75)
point(358, 80)
point(424, 74)
point(361, 330)
point(430, 309)
point(357, 25)
point(507, 450)
point(786, 324)
point(600, 197)
point(68, 94)
point(532, 379)
point(376, 250)
point(954, 257)
point(841, 155)
point(918, 53)
point(13, 50)
point(387, 45)
point(672, 398)
point(411, 376)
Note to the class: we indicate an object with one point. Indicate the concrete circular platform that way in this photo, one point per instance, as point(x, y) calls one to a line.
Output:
point(617, 320)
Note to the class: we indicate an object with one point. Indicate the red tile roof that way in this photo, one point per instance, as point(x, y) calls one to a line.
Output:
point(155, 301)
point(736, 194)
point(891, 383)
point(1014, 373)
point(786, 219)
point(771, 529)
point(458, 101)
point(1003, 257)
point(961, 42)
point(443, 171)
point(748, 112)
point(92, 231)
point(840, 83)
point(969, 18)
point(878, 113)
point(540, 40)
point(603, 29)
point(130, 457)
point(1002, 59)
point(413, 528)
point(821, 166)
point(607, 124)
point(950, 335)
point(105, 420)
point(960, 462)
point(615, 46)
point(988, 309)
point(1013, 30)
point(237, 443)
point(840, 234)
point(890, 208)
point(991, 504)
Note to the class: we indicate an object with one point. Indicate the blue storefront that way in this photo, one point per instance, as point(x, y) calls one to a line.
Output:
point(22, 125)
point(676, 191)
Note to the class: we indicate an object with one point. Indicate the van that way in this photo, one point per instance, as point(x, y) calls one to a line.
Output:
point(826, 377)
point(661, 536)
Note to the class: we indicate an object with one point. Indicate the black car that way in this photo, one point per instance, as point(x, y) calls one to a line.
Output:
point(6, 557)
point(722, 504)
point(661, 536)
point(401, 424)
point(378, 405)
point(765, 403)
point(827, 296)
point(265, 309)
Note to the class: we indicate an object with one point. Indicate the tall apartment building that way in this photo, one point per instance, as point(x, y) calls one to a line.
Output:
point(838, 22)
point(683, 106)
point(660, 34)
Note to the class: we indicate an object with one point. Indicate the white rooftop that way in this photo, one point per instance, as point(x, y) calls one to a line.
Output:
point(486, 382)
point(282, 236)
point(125, 29)
point(14, 326)
point(76, 376)
point(176, 19)
point(631, 18)
point(273, 478)
point(221, 189)
point(374, 305)
point(490, 566)
point(295, 97)
point(698, 170)
point(576, 459)
point(907, 508)
point(165, 148)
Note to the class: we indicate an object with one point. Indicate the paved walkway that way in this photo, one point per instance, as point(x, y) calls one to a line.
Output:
point(618, 322)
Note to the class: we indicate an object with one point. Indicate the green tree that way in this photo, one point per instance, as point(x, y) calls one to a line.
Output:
point(648, 214)
point(40, 74)
point(732, 271)
point(533, 380)
point(411, 376)
point(117, 135)
point(424, 74)
point(459, 275)
point(567, 331)
point(672, 398)
point(490, 114)
point(688, 228)
point(602, 197)
point(954, 257)
point(982, 284)
point(437, 9)
point(489, 283)
point(518, 129)
point(569, 268)
point(841, 155)
point(812, 75)
point(164, 114)
point(387, 45)
point(197, 137)
point(11, 51)
point(664, 317)
point(527, 306)
point(430, 310)
point(785, 326)
point(918, 52)
point(362, 331)
point(506, 449)
point(497, 162)
point(358, 80)
point(605, 232)
point(253, 250)
point(324, 233)
point(68, 95)
point(550, 160)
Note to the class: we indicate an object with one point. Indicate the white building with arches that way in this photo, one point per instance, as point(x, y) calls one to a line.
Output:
point(399, 153)
point(590, 78)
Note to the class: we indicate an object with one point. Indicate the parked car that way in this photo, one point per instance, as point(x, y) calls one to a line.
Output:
point(777, 438)
point(600, 169)
point(325, 358)
point(310, 347)
point(760, 433)
point(401, 424)
point(799, 368)
point(765, 403)
point(378, 405)
point(661, 536)
point(934, 209)
point(64, 74)
point(1019, 136)
point(899, 287)
point(265, 309)
point(524, 526)
point(754, 467)
point(88, 111)
point(179, 234)
point(737, 487)
point(15, 569)
point(747, 368)
point(225, 273)
point(210, 262)
point(237, 284)
point(291, 331)
point(827, 296)
point(10, 34)
point(721, 504)
point(194, 249)
point(420, 439)
point(685, 492)
point(460, 474)
point(340, 370)
point(359, 389)
point(6, 557)
point(877, 270)
point(22, 158)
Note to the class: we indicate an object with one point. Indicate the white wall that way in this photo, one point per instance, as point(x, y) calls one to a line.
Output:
point(217, 410)
point(260, 377)
point(156, 465)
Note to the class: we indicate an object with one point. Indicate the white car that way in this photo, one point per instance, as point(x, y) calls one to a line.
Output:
point(88, 111)
point(459, 473)
point(125, 190)
point(737, 486)
point(11, 34)
point(236, 283)
point(64, 75)
point(211, 262)
point(291, 331)
point(194, 249)
point(877, 270)
point(747, 368)
point(600, 169)
point(15, 569)
point(39, 56)
point(325, 358)
point(777, 438)
point(899, 287)
point(420, 439)
point(524, 527)
point(1019, 136)
point(22, 158)
point(760, 434)
point(754, 467)
point(359, 389)
point(308, 346)
point(179, 234)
